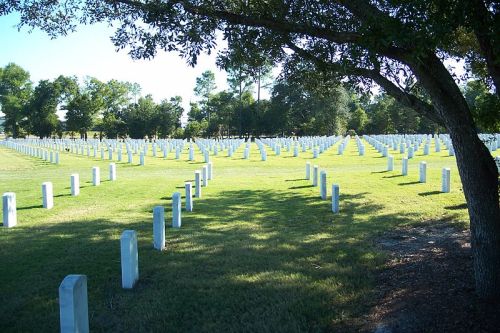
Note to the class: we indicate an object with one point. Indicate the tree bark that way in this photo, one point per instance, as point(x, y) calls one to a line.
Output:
point(477, 170)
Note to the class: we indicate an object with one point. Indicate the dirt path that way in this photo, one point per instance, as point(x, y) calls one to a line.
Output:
point(427, 285)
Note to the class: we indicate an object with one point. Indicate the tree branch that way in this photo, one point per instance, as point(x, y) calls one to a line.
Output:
point(276, 25)
point(481, 23)
point(405, 98)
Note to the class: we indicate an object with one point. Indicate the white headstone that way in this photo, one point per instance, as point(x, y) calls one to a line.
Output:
point(445, 181)
point(423, 172)
point(75, 184)
point(47, 195)
point(404, 169)
point(209, 170)
point(189, 196)
point(159, 228)
point(96, 176)
point(308, 170)
point(335, 198)
point(390, 163)
point(112, 171)
point(197, 184)
point(73, 304)
point(204, 172)
point(9, 209)
point(322, 183)
point(176, 210)
point(315, 175)
point(129, 259)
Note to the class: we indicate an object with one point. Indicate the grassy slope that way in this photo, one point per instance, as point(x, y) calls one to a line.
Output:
point(261, 252)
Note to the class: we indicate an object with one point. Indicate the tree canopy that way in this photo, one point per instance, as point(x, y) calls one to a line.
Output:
point(400, 45)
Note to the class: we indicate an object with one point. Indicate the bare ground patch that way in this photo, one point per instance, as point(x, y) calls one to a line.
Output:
point(427, 285)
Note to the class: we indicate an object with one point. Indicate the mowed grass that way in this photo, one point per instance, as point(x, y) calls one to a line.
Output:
point(260, 253)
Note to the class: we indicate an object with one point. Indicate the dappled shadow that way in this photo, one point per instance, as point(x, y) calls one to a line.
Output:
point(428, 284)
point(280, 261)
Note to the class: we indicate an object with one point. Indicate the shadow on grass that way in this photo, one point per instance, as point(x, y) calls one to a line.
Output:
point(62, 195)
point(393, 176)
point(29, 207)
point(297, 187)
point(385, 171)
point(409, 183)
point(278, 261)
point(424, 194)
point(455, 207)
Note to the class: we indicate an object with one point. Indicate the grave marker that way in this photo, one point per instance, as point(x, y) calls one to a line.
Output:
point(335, 198)
point(47, 195)
point(209, 170)
point(112, 171)
point(390, 163)
point(423, 172)
point(322, 187)
point(129, 259)
point(73, 304)
point(176, 210)
point(189, 196)
point(404, 170)
point(315, 175)
point(197, 184)
point(9, 209)
point(445, 180)
point(159, 228)
point(75, 184)
point(96, 176)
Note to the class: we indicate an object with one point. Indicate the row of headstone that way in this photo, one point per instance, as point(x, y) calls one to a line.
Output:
point(46, 155)
point(445, 181)
point(73, 302)
point(105, 148)
point(9, 198)
point(73, 298)
point(323, 185)
point(409, 144)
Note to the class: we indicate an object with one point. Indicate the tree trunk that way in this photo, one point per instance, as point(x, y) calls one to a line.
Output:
point(477, 170)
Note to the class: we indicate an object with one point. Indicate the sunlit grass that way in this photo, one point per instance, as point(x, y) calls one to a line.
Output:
point(261, 251)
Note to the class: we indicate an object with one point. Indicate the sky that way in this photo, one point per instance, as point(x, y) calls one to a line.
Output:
point(90, 52)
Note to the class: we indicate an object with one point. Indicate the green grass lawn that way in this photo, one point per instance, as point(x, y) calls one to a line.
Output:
point(260, 253)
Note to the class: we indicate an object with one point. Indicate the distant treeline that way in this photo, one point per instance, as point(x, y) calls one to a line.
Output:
point(302, 105)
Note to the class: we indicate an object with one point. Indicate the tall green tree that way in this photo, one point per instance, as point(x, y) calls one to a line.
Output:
point(205, 87)
point(387, 42)
point(140, 117)
point(485, 106)
point(167, 116)
point(41, 111)
point(116, 97)
point(240, 83)
point(359, 120)
point(85, 106)
point(15, 92)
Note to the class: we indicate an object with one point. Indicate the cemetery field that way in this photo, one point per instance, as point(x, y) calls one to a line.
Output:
point(261, 252)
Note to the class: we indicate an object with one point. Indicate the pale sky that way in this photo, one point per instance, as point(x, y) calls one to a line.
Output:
point(90, 52)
